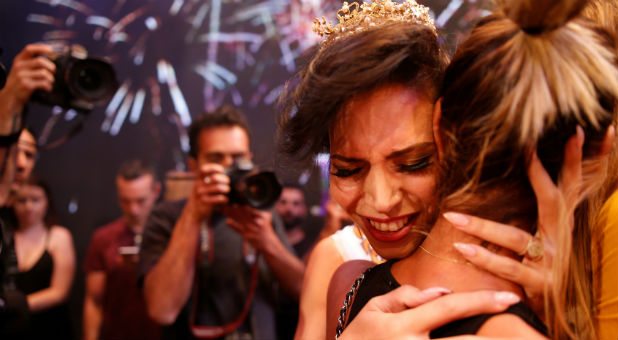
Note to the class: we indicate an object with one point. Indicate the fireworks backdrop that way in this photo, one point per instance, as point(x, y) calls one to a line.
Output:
point(174, 60)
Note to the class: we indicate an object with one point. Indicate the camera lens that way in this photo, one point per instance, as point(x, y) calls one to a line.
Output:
point(92, 80)
point(89, 79)
point(262, 189)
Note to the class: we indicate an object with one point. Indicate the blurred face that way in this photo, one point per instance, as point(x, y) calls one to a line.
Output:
point(136, 198)
point(382, 167)
point(221, 145)
point(26, 156)
point(291, 207)
point(30, 205)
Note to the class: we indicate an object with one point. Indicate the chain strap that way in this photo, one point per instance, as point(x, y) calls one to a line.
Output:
point(349, 297)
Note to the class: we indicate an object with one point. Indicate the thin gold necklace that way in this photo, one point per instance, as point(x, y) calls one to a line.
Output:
point(435, 255)
point(444, 258)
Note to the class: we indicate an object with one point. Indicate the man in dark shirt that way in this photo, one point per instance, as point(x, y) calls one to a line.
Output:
point(198, 257)
point(114, 307)
point(31, 70)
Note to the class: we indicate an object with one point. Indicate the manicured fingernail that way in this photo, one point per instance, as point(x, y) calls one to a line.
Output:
point(437, 291)
point(457, 219)
point(465, 249)
point(506, 298)
point(580, 135)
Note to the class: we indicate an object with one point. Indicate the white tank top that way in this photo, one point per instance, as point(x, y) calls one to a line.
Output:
point(353, 245)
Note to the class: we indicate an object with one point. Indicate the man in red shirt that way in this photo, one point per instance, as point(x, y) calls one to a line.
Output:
point(113, 306)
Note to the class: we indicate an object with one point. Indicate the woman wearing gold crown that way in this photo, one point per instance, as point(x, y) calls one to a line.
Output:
point(368, 96)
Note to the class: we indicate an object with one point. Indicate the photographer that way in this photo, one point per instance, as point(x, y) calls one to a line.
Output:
point(30, 71)
point(207, 247)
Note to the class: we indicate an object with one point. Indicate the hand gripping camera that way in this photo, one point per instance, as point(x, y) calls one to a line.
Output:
point(80, 83)
point(252, 187)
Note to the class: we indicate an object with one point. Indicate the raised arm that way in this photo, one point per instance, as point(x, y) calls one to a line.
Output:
point(30, 71)
point(532, 272)
point(409, 313)
point(167, 286)
point(257, 228)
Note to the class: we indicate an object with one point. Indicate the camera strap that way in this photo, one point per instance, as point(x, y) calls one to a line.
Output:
point(43, 142)
point(210, 332)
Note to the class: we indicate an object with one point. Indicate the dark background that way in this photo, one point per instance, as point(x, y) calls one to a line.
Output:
point(250, 47)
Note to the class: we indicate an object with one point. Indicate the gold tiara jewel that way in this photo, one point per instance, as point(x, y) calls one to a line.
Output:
point(354, 18)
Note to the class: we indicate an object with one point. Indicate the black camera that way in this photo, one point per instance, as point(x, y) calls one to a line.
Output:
point(80, 83)
point(252, 187)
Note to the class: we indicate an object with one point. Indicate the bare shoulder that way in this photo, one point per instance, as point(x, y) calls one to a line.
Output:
point(60, 237)
point(340, 284)
point(348, 272)
point(509, 326)
point(343, 279)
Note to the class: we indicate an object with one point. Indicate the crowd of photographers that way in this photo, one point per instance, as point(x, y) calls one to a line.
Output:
point(219, 263)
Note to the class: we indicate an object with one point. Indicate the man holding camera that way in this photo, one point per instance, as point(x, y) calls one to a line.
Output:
point(31, 70)
point(209, 268)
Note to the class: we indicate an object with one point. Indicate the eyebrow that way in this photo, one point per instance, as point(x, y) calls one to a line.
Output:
point(346, 159)
point(393, 154)
point(409, 149)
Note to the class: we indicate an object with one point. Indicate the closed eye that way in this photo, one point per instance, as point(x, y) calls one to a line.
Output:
point(415, 166)
point(340, 172)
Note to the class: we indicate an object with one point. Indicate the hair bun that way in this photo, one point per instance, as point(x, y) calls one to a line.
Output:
point(538, 16)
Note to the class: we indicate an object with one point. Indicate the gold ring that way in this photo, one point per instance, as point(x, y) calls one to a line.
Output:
point(207, 179)
point(534, 249)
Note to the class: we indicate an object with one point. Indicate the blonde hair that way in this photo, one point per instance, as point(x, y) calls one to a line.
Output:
point(604, 13)
point(527, 77)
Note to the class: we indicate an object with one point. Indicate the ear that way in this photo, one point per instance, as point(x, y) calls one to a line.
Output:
point(192, 164)
point(437, 115)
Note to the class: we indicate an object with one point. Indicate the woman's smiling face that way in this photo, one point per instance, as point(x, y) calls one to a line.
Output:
point(383, 158)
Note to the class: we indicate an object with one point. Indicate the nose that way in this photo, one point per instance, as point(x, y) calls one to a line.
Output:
point(21, 160)
point(134, 209)
point(382, 190)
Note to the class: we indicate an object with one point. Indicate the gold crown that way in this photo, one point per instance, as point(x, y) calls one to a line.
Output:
point(354, 18)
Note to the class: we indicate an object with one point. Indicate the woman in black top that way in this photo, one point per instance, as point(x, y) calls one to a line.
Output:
point(46, 262)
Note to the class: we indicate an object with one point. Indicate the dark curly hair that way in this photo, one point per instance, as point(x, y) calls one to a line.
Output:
point(403, 53)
